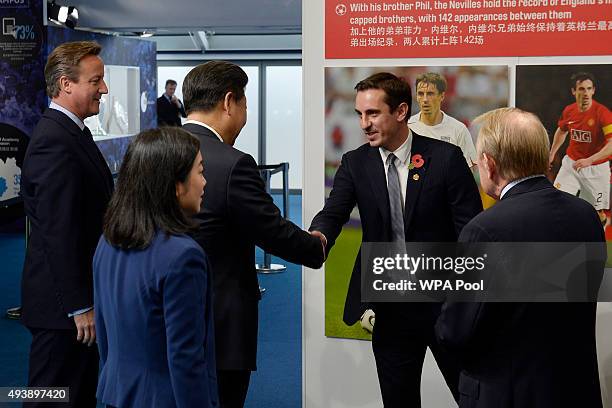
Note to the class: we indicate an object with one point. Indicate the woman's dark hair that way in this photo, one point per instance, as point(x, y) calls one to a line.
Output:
point(145, 195)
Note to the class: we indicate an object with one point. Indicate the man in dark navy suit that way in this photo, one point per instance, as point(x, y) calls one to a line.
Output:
point(408, 188)
point(66, 186)
point(236, 215)
point(170, 109)
point(524, 355)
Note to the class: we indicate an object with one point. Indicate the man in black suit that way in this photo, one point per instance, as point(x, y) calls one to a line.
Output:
point(524, 354)
point(236, 215)
point(66, 186)
point(170, 109)
point(407, 188)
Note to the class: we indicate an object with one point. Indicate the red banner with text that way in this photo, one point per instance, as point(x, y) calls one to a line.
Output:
point(466, 28)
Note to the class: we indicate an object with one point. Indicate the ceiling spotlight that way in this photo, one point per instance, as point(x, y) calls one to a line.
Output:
point(67, 15)
point(73, 17)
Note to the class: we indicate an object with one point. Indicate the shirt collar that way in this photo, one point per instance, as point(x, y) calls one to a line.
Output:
point(197, 122)
point(66, 112)
point(402, 152)
point(442, 121)
point(515, 182)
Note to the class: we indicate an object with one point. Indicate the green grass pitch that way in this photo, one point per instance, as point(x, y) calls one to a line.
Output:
point(338, 269)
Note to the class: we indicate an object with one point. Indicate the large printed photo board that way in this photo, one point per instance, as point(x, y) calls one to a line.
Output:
point(471, 91)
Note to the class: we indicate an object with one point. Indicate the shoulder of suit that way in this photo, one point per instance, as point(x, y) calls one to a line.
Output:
point(498, 220)
point(359, 152)
point(53, 126)
point(221, 148)
point(58, 117)
point(579, 212)
point(218, 150)
point(177, 246)
point(182, 241)
point(170, 254)
point(424, 140)
point(579, 203)
point(422, 143)
point(363, 148)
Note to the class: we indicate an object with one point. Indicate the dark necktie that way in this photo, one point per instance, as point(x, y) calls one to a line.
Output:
point(395, 201)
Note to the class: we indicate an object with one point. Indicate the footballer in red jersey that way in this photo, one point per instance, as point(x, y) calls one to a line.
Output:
point(585, 169)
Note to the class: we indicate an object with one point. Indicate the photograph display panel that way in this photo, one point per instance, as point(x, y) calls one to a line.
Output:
point(471, 91)
point(555, 93)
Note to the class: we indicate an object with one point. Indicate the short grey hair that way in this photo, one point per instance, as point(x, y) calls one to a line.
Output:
point(517, 141)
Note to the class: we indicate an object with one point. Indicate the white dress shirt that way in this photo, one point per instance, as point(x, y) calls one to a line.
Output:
point(71, 115)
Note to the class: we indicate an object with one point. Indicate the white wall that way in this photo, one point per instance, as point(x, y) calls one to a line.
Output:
point(604, 351)
point(341, 373)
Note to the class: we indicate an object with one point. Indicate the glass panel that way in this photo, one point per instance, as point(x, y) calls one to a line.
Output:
point(284, 122)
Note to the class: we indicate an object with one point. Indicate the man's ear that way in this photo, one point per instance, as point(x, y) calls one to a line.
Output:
point(65, 84)
point(228, 100)
point(490, 165)
point(402, 112)
point(442, 96)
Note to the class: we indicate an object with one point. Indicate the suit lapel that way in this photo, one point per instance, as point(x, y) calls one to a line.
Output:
point(415, 177)
point(97, 159)
point(89, 147)
point(376, 175)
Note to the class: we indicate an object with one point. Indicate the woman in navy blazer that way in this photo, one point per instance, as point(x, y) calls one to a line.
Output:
point(152, 284)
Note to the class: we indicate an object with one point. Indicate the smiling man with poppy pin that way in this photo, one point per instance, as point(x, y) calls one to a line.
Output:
point(408, 188)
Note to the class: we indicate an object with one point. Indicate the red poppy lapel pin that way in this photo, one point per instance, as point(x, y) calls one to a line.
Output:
point(416, 162)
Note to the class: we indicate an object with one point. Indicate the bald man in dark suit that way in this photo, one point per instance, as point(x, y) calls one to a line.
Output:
point(523, 355)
